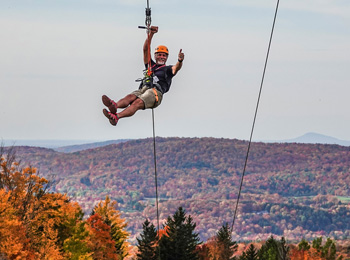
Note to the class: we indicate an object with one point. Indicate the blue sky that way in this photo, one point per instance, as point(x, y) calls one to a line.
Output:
point(59, 57)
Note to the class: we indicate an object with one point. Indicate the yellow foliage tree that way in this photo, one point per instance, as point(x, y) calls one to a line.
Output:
point(111, 216)
point(33, 223)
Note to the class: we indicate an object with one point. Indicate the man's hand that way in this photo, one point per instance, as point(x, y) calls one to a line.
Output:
point(181, 56)
point(178, 64)
point(154, 29)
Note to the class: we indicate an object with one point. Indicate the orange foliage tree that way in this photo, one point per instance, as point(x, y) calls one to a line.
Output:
point(100, 242)
point(112, 217)
point(12, 233)
point(36, 224)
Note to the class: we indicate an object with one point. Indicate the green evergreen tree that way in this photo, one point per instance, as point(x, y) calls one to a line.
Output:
point(180, 240)
point(226, 247)
point(250, 254)
point(274, 250)
point(328, 250)
point(317, 243)
point(283, 249)
point(147, 243)
point(268, 251)
point(304, 245)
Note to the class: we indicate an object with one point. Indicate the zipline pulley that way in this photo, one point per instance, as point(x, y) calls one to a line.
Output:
point(148, 19)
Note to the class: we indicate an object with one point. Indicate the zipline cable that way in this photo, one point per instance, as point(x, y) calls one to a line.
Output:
point(255, 115)
point(149, 73)
point(155, 168)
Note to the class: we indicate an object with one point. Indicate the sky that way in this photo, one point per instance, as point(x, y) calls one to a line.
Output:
point(58, 57)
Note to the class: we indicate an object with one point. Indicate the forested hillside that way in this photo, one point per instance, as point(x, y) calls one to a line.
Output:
point(294, 190)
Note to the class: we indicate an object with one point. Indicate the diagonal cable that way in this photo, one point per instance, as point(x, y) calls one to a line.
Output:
point(255, 115)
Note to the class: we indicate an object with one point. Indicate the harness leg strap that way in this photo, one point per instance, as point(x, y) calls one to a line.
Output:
point(156, 94)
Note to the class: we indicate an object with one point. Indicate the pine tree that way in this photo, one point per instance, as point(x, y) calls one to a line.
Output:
point(283, 249)
point(317, 243)
point(250, 254)
point(328, 250)
point(274, 250)
point(180, 240)
point(303, 245)
point(147, 243)
point(225, 247)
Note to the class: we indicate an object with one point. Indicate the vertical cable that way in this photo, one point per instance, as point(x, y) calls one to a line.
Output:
point(156, 177)
point(149, 75)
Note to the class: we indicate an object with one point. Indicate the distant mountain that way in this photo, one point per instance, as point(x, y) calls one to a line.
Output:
point(52, 144)
point(65, 146)
point(82, 147)
point(315, 138)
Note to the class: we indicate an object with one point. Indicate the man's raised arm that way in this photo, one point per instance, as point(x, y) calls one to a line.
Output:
point(146, 48)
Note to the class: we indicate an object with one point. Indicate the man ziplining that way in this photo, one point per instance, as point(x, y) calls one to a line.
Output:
point(152, 87)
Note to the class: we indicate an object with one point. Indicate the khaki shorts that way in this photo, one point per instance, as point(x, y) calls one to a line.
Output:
point(148, 96)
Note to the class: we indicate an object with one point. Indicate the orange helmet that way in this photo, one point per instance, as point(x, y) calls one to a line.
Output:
point(162, 48)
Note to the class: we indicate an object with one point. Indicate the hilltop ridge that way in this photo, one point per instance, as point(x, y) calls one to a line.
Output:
point(79, 145)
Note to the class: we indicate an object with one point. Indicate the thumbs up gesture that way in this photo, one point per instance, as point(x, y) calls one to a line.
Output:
point(181, 56)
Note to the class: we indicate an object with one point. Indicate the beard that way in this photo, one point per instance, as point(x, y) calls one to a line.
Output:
point(161, 62)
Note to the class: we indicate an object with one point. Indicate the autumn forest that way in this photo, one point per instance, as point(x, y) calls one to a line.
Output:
point(296, 192)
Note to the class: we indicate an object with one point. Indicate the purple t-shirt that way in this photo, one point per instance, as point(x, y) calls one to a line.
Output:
point(162, 76)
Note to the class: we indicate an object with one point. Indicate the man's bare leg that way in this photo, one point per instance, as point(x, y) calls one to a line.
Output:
point(137, 104)
point(126, 101)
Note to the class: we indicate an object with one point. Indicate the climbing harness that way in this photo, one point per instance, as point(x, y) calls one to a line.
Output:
point(255, 115)
point(148, 75)
point(150, 80)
